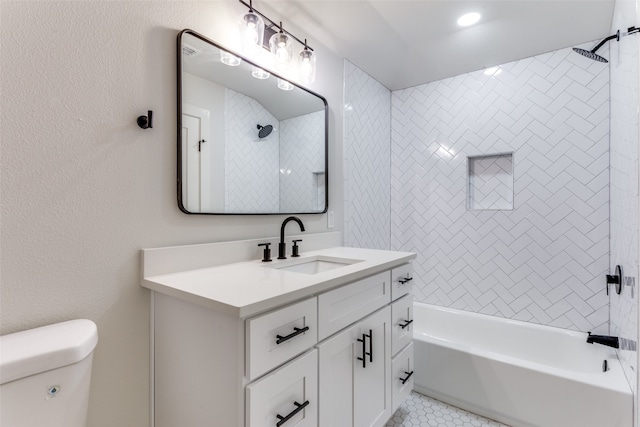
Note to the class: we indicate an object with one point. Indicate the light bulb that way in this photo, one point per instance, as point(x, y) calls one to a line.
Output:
point(307, 61)
point(252, 33)
point(280, 46)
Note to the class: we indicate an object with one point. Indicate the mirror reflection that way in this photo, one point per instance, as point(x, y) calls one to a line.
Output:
point(248, 141)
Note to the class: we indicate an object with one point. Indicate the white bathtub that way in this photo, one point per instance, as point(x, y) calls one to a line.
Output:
point(518, 373)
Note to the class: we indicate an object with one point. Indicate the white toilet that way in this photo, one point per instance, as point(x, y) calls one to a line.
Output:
point(45, 375)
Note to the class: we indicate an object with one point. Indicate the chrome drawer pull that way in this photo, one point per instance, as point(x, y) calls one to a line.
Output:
point(404, 380)
point(295, 333)
point(299, 407)
point(407, 323)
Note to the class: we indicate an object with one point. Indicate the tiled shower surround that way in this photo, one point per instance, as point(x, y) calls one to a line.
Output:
point(250, 162)
point(542, 262)
point(367, 106)
point(302, 163)
point(623, 59)
point(283, 179)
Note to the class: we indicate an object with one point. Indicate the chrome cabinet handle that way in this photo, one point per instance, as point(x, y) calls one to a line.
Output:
point(299, 407)
point(407, 323)
point(405, 379)
point(295, 333)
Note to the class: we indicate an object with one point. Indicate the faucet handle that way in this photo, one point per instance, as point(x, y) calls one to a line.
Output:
point(266, 254)
point(295, 248)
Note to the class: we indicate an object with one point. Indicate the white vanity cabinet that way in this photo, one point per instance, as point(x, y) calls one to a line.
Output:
point(335, 356)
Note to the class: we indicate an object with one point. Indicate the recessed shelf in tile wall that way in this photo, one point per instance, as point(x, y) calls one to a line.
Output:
point(490, 182)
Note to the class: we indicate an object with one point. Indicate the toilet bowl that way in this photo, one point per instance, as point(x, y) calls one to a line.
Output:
point(45, 375)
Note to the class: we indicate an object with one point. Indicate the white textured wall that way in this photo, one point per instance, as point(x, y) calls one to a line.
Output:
point(625, 72)
point(544, 261)
point(367, 154)
point(83, 189)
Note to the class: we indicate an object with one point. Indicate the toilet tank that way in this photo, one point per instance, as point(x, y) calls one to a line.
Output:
point(45, 375)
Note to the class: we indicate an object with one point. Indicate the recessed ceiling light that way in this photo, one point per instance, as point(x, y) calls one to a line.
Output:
point(469, 19)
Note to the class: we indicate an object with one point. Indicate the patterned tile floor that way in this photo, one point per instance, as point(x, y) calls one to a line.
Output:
point(420, 410)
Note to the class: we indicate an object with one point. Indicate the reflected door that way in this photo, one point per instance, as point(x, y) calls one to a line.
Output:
point(195, 165)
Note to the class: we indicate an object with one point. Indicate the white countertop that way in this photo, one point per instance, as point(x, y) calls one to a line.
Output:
point(244, 289)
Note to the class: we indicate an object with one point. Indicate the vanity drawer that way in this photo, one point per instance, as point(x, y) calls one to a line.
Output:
point(401, 376)
point(345, 305)
point(291, 391)
point(401, 281)
point(280, 335)
point(401, 323)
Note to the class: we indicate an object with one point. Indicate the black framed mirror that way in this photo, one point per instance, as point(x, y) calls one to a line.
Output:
point(247, 145)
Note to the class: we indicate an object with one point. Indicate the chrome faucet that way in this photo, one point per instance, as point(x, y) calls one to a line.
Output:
point(282, 246)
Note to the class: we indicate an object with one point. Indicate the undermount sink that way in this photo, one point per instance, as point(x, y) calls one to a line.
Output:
point(314, 264)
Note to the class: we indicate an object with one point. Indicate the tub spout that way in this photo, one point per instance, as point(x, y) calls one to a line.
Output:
point(604, 340)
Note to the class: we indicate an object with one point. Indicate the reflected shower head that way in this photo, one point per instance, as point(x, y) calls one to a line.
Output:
point(591, 54)
point(264, 131)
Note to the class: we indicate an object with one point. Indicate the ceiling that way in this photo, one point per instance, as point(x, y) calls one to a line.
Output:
point(404, 43)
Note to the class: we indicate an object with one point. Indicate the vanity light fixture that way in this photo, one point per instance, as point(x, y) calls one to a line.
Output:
point(307, 61)
point(251, 32)
point(469, 19)
point(280, 45)
point(284, 85)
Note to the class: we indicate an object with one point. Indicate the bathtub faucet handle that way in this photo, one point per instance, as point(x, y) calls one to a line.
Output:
point(615, 279)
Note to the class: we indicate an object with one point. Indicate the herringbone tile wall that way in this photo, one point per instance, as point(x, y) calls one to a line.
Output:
point(623, 60)
point(367, 160)
point(301, 159)
point(544, 261)
point(250, 162)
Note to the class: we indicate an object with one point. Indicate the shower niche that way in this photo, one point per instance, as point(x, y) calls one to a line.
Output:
point(490, 182)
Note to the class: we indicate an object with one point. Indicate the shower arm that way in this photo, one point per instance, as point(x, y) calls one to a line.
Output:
point(630, 30)
point(611, 37)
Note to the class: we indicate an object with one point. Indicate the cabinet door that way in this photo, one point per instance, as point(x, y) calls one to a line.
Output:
point(372, 391)
point(287, 397)
point(336, 361)
point(353, 391)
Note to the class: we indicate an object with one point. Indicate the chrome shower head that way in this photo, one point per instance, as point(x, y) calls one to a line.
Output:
point(264, 131)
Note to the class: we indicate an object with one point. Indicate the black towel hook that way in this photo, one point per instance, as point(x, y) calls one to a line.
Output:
point(146, 122)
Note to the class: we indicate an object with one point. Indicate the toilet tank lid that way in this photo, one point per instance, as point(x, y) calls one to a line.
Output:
point(49, 347)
